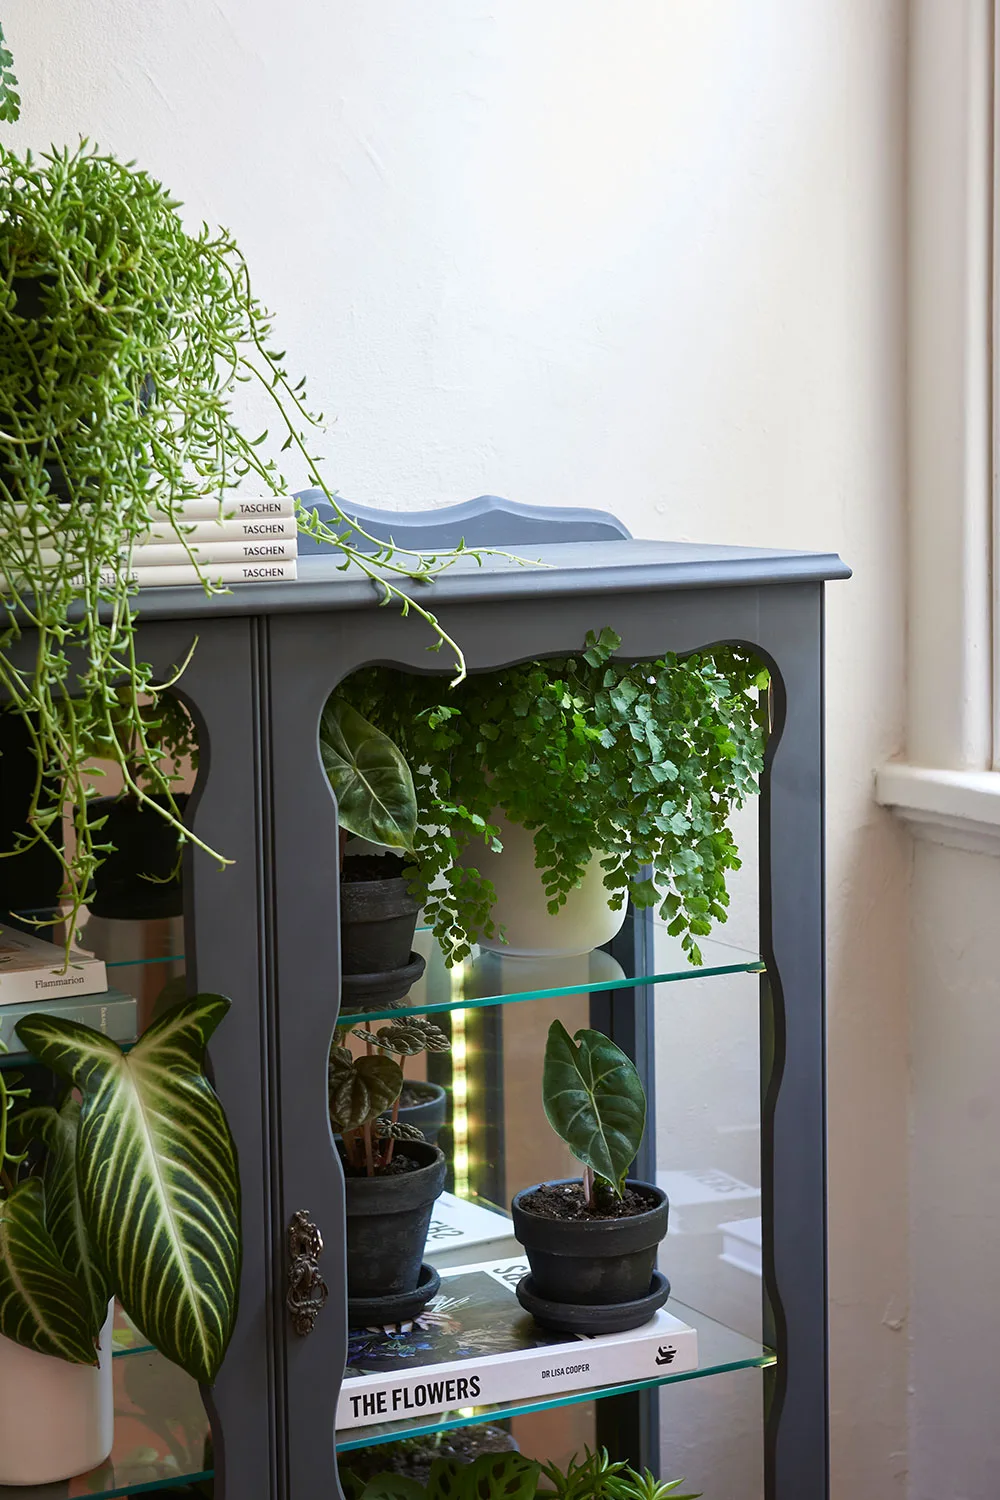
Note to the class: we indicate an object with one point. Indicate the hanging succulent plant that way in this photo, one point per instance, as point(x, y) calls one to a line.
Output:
point(123, 339)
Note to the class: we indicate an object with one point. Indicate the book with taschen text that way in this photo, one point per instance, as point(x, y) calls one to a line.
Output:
point(208, 572)
point(33, 969)
point(474, 1345)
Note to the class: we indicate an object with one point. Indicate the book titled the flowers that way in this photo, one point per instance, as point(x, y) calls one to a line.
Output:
point(473, 1345)
point(33, 969)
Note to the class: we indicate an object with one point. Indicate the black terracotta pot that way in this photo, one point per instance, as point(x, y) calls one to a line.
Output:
point(145, 845)
point(429, 1113)
point(378, 918)
point(594, 1263)
point(387, 1222)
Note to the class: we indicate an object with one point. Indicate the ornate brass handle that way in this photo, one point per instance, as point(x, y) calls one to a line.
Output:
point(307, 1291)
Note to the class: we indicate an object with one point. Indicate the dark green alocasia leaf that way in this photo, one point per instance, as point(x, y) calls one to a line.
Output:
point(158, 1175)
point(360, 1093)
point(594, 1100)
point(42, 1305)
point(369, 776)
point(58, 1130)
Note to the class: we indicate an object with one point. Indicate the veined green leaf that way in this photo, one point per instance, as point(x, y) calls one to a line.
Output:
point(370, 778)
point(158, 1175)
point(359, 1093)
point(42, 1305)
point(594, 1100)
point(58, 1130)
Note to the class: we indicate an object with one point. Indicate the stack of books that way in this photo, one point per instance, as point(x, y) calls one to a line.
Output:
point(35, 980)
point(250, 540)
point(473, 1345)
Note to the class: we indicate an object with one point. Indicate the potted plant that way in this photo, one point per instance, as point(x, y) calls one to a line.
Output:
point(375, 802)
point(126, 338)
point(591, 1242)
point(616, 778)
point(594, 1477)
point(130, 1190)
point(392, 1176)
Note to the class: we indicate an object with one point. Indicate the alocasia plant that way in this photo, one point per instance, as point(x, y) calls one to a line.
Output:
point(594, 1100)
point(137, 1196)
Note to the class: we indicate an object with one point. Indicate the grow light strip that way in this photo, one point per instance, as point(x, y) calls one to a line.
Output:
point(459, 1087)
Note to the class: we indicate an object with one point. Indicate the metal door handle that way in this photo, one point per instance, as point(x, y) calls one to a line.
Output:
point(307, 1291)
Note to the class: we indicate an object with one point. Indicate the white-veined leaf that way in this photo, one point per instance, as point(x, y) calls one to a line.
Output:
point(158, 1175)
point(42, 1305)
point(57, 1130)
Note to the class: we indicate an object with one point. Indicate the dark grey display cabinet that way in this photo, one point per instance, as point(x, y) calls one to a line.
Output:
point(264, 931)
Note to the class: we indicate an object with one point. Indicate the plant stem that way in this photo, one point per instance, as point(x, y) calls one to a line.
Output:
point(588, 1186)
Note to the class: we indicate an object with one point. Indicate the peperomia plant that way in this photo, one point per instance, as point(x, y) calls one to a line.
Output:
point(594, 1100)
point(365, 1090)
point(639, 763)
point(136, 1195)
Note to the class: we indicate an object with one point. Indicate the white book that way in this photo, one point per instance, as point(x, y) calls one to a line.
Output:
point(33, 969)
point(474, 1345)
point(458, 1223)
point(235, 508)
point(183, 573)
point(741, 1245)
point(247, 528)
point(173, 554)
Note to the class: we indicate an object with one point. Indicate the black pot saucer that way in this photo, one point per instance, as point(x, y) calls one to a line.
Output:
point(395, 1307)
point(575, 1317)
point(372, 991)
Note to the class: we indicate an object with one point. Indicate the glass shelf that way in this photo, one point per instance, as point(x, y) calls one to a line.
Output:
point(719, 1348)
point(489, 978)
point(161, 1437)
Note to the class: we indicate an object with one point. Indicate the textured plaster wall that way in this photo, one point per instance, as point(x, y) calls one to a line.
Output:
point(645, 257)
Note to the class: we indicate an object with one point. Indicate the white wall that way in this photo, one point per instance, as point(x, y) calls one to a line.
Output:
point(645, 257)
point(955, 1207)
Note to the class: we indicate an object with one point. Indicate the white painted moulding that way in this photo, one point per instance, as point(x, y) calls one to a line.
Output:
point(57, 1419)
point(957, 808)
point(584, 923)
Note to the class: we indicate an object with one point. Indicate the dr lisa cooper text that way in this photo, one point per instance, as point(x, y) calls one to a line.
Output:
point(436, 1393)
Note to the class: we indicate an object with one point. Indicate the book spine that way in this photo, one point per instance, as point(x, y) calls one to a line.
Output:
point(247, 528)
point(117, 1019)
point(576, 1365)
point(249, 508)
point(85, 976)
point(175, 554)
point(184, 573)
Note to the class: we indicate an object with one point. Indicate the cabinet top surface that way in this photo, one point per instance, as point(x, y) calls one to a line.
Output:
point(617, 565)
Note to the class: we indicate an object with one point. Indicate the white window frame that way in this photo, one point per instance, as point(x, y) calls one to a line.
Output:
point(948, 786)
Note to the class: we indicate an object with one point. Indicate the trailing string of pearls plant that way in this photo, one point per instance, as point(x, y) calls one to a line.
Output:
point(124, 337)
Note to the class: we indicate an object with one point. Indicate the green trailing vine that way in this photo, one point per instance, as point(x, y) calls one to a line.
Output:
point(641, 763)
point(124, 337)
point(10, 99)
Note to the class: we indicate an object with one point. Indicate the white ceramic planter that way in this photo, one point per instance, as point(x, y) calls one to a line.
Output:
point(584, 923)
point(56, 1419)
